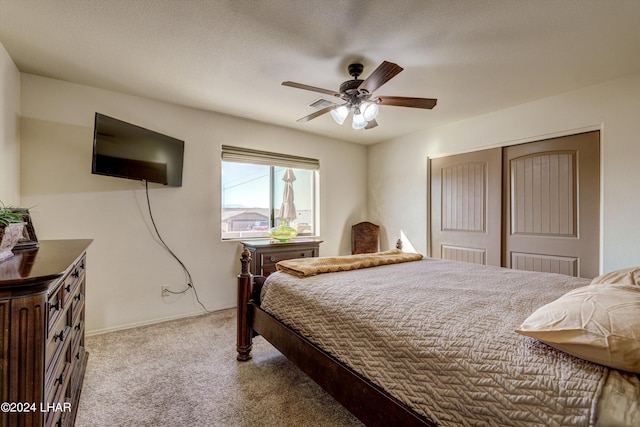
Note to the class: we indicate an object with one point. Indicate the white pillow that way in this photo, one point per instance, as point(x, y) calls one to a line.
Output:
point(626, 276)
point(596, 323)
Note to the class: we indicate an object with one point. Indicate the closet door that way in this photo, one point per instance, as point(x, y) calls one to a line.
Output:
point(466, 191)
point(552, 209)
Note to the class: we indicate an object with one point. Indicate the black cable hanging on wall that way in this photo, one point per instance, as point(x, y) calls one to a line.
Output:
point(166, 247)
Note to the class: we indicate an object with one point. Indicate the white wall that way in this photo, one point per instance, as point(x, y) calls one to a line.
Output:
point(126, 266)
point(9, 130)
point(398, 168)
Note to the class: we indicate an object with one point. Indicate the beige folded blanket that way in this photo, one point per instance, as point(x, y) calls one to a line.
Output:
point(304, 267)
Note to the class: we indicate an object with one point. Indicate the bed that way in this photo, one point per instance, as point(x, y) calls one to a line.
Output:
point(431, 342)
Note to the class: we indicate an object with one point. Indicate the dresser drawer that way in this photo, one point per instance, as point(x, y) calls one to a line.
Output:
point(77, 332)
point(76, 301)
point(58, 377)
point(56, 392)
point(68, 287)
point(76, 354)
point(55, 307)
point(58, 336)
point(60, 358)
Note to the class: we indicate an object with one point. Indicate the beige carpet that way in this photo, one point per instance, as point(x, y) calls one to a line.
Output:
point(185, 373)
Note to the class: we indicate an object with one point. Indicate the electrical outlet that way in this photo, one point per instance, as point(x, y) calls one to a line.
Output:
point(165, 290)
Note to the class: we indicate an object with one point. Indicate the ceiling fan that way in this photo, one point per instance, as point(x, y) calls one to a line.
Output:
point(358, 96)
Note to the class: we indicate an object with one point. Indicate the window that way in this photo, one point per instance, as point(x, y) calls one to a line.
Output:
point(253, 190)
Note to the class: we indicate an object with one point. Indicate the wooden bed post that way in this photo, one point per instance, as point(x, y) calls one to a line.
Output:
point(245, 331)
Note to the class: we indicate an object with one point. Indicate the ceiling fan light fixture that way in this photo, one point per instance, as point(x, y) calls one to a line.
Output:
point(340, 114)
point(359, 121)
point(370, 111)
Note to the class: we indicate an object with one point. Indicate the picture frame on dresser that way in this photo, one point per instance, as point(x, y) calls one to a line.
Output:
point(29, 238)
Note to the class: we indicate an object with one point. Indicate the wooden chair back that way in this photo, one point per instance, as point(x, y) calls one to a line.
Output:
point(365, 238)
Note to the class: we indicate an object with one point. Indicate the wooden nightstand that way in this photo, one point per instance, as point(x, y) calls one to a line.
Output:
point(266, 253)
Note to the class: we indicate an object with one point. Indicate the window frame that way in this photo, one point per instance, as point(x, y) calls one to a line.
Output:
point(273, 161)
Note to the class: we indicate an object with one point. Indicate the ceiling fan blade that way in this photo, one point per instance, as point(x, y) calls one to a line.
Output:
point(402, 101)
point(371, 124)
point(311, 88)
point(317, 113)
point(385, 72)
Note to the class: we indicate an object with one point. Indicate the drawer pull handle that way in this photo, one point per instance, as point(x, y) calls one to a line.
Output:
point(75, 274)
point(78, 355)
point(78, 297)
point(68, 288)
point(55, 306)
point(78, 326)
point(60, 379)
point(302, 255)
point(272, 258)
point(59, 336)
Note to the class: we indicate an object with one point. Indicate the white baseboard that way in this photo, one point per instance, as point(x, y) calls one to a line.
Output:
point(150, 322)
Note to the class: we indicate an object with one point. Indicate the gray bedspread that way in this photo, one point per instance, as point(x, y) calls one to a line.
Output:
point(439, 336)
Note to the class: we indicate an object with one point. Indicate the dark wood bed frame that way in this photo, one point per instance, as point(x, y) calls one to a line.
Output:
point(365, 400)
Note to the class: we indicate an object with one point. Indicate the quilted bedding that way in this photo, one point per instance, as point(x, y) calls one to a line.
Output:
point(439, 336)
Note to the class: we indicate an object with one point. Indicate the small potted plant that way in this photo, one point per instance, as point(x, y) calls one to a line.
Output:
point(11, 228)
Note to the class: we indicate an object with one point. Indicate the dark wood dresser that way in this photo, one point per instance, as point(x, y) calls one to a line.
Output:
point(266, 253)
point(42, 312)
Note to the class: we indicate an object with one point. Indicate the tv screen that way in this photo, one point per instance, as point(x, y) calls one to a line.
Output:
point(128, 151)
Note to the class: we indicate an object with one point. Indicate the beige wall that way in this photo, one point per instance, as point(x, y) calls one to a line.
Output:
point(49, 151)
point(398, 168)
point(126, 265)
point(9, 130)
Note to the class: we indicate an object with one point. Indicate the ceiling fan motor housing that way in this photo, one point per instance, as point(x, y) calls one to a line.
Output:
point(355, 70)
point(350, 86)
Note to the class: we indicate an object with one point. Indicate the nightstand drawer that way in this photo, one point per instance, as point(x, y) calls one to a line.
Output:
point(269, 261)
point(276, 257)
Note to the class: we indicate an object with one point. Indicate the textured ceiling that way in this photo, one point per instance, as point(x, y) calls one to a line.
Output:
point(231, 56)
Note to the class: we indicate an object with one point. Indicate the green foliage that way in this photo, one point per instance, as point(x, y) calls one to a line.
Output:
point(9, 214)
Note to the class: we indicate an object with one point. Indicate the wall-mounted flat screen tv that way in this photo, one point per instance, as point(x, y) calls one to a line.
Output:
point(128, 151)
